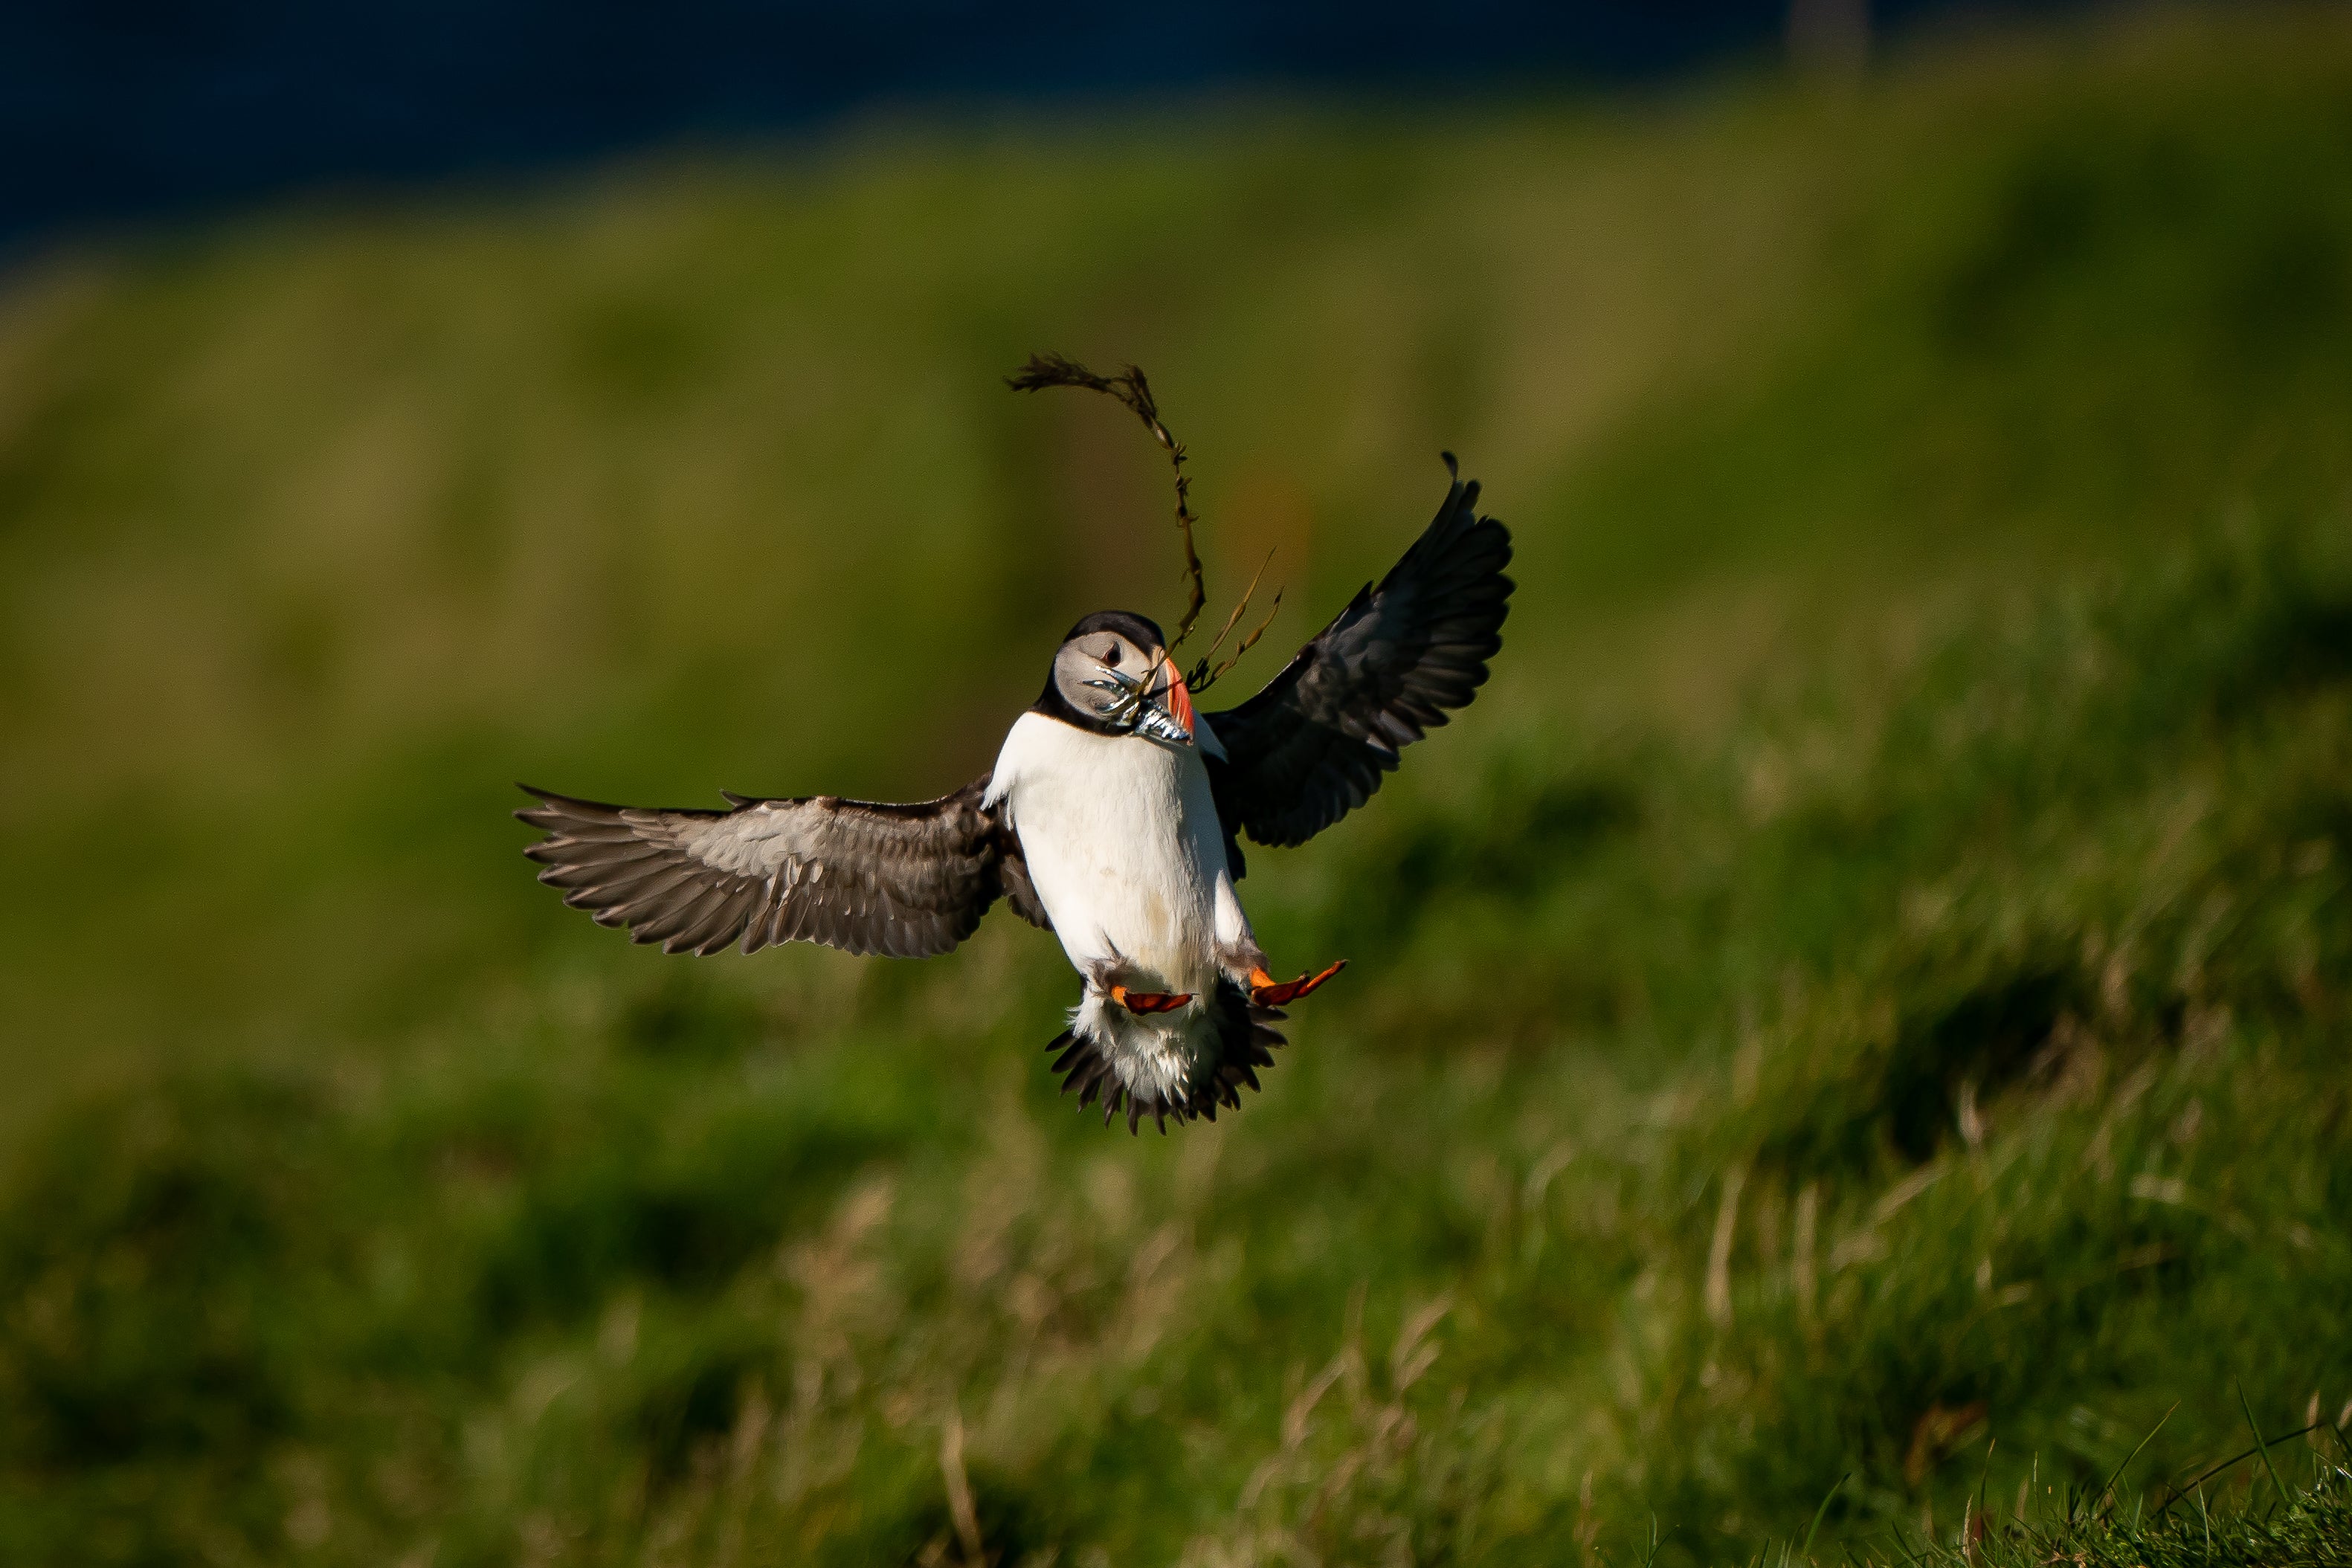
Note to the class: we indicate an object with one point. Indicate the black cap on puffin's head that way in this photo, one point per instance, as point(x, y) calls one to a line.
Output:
point(1112, 675)
point(1139, 630)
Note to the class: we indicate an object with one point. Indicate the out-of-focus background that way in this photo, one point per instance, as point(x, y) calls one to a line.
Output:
point(1844, 1037)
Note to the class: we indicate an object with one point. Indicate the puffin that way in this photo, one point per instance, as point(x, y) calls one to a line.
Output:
point(1113, 819)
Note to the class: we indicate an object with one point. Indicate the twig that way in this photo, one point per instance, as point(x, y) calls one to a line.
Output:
point(1203, 677)
point(1131, 389)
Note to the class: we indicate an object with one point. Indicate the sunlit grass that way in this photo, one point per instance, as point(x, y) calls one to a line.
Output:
point(1854, 1012)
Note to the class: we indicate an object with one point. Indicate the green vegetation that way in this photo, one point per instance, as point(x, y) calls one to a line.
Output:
point(1855, 1013)
point(2310, 1527)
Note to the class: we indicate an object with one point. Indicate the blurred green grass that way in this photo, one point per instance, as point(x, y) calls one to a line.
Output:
point(1863, 993)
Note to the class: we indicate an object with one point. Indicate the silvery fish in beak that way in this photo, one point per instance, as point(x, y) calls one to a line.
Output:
point(1113, 819)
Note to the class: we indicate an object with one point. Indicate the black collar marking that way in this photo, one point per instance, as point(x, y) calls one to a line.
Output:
point(1055, 705)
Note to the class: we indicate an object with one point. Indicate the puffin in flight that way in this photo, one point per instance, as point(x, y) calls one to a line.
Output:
point(1113, 819)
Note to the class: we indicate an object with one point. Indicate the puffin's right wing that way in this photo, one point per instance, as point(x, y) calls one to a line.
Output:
point(1312, 746)
point(866, 877)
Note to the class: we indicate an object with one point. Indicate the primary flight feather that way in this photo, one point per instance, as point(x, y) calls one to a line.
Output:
point(1113, 819)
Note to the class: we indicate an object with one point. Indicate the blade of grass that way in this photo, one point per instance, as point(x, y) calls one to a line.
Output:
point(2261, 1447)
point(2235, 1459)
point(2107, 1490)
point(1818, 1513)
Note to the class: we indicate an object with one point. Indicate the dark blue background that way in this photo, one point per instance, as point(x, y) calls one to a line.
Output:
point(129, 109)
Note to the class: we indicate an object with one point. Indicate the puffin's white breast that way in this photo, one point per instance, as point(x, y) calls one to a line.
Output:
point(1123, 845)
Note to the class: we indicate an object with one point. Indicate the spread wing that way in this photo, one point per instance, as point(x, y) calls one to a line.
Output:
point(1312, 746)
point(866, 877)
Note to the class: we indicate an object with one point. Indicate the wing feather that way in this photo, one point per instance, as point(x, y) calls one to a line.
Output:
point(1313, 745)
point(862, 875)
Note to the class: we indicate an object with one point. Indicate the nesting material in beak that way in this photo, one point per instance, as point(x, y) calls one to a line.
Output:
point(1157, 705)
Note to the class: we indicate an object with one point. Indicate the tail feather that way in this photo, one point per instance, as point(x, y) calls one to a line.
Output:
point(1241, 1039)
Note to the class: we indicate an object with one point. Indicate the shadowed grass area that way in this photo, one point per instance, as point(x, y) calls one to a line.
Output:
point(1862, 994)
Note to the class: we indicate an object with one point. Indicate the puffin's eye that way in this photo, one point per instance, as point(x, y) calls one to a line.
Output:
point(1110, 655)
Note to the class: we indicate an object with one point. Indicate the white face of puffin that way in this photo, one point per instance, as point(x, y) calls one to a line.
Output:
point(1108, 678)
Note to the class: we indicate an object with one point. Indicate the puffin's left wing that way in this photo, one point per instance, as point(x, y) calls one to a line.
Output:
point(1312, 746)
point(867, 877)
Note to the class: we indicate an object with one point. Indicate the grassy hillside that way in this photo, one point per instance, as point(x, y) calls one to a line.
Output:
point(1862, 996)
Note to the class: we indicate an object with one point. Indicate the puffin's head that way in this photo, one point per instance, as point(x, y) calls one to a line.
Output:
point(1113, 675)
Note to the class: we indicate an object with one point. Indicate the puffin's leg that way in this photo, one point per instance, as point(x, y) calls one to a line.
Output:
point(1149, 1001)
point(1266, 993)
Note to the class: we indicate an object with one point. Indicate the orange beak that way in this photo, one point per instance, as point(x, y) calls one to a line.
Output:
point(1177, 699)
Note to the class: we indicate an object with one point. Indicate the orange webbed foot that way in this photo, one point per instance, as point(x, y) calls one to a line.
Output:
point(1266, 993)
point(1149, 1001)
